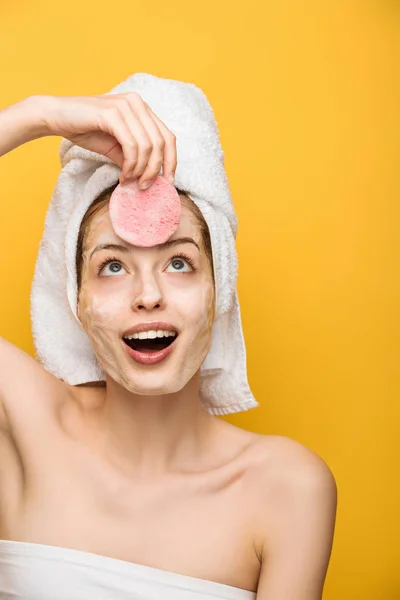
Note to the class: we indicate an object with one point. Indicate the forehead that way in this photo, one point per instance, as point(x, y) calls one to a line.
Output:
point(100, 229)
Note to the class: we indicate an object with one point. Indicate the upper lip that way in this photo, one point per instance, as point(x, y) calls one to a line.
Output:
point(153, 325)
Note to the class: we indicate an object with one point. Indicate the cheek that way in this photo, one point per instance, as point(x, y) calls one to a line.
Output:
point(97, 309)
point(198, 306)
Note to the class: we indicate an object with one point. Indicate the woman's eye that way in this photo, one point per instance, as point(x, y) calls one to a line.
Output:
point(179, 265)
point(114, 268)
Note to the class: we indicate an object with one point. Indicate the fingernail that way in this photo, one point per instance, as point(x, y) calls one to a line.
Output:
point(145, 185)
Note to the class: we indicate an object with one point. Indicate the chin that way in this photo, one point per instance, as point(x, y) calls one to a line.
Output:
point(154, 384)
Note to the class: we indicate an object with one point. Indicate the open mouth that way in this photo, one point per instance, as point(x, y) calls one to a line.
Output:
point(149, 342)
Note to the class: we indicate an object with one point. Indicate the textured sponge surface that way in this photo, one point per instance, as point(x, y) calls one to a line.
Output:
point(145, 217)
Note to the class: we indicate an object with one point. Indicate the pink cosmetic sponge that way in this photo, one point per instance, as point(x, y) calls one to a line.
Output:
point(145, 217)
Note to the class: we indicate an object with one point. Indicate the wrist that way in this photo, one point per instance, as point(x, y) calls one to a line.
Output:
point(32, 114)
point(23, 122)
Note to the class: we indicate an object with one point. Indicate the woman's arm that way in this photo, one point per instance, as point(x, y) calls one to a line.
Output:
point(119, 126)
point(21, 123)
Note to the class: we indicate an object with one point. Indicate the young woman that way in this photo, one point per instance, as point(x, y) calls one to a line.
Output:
point(130, 489)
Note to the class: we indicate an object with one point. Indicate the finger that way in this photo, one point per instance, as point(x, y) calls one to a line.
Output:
point(157, 142)
point(144, 142)
point(170, 152)
point(115, 125)
point(156, 157)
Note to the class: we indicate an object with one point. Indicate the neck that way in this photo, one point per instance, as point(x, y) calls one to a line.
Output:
point(153, 435)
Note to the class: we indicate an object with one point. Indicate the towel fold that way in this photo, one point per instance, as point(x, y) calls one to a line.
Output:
point(61, 344)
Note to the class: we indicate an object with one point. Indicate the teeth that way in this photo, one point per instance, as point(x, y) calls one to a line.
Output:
point(150, 335)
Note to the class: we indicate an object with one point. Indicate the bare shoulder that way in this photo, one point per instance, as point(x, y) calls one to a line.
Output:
point(283, 465)
point(292, 484)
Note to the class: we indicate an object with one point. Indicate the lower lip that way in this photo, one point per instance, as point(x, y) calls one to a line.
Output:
point(150, 359)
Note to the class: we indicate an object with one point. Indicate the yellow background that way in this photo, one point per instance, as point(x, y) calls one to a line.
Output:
point(306, 95)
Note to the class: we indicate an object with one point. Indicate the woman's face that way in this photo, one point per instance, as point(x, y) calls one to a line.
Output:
point(130, 286)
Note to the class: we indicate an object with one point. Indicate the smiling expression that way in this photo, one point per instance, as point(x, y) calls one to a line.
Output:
point(127, 286)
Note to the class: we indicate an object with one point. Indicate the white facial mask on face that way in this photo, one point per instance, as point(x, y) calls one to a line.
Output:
point(109, 305)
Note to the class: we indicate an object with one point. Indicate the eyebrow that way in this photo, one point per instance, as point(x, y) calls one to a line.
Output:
point(160, 247)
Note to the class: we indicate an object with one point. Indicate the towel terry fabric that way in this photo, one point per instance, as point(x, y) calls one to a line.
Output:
point(61, 344)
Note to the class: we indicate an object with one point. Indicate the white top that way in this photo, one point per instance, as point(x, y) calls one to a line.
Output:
point(30, 571)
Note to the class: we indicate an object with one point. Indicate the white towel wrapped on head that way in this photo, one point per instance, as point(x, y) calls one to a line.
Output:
point(61, 343)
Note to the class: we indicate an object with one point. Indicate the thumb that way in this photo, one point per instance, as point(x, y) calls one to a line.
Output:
point(101, 143)
point(115, 154)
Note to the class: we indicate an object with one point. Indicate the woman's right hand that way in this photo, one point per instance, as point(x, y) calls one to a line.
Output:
point(120, 126)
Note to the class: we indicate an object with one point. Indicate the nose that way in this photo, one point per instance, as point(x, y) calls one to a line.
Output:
point(147, 295)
